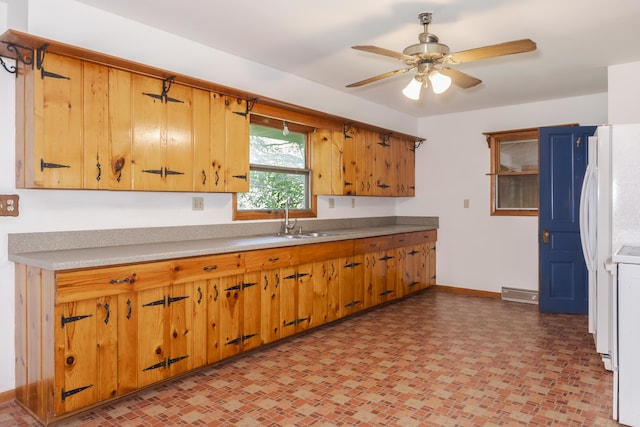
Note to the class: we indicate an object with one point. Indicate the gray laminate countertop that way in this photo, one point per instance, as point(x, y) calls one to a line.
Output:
point(84, 255)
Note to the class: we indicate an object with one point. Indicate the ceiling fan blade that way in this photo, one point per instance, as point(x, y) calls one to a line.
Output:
point(459, 78)
point(501, 49)
point(380, 77)
point(386, 52)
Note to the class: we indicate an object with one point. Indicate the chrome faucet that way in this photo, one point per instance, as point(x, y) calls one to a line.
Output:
point(288, 227)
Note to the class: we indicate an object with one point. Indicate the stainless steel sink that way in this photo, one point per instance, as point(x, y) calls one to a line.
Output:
point(305, 235)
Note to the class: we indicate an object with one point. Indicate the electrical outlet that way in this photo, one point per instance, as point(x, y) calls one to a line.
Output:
point(9, 204)
point(332, 203)
point(353, 203)
point(197, 204)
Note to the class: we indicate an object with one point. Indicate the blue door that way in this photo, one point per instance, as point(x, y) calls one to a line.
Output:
point(563, 272)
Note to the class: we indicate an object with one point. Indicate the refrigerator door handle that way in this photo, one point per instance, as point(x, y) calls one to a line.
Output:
point(586, 230)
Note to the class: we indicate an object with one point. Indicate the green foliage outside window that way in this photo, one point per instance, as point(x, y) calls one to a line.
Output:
point(278, 171)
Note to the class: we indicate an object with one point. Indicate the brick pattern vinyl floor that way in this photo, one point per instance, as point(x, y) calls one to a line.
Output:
point(435, 359)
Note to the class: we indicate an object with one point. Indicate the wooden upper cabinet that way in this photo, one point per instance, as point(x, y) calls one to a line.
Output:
point(107, 128)
point(237, 145)
point(404, 166)
point(162, 135)
point(86, 120)
point(385, 172)
point(49, 124)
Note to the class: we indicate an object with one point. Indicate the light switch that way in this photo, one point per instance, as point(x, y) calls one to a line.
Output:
point(466, 203)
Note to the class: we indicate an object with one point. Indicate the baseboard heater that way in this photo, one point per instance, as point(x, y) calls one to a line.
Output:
point(520, 295)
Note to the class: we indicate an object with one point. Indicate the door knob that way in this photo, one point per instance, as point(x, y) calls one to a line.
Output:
point(545, 236)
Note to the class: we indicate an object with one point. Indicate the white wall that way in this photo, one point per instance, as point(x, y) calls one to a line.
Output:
point(477, 250)
point(624, 93)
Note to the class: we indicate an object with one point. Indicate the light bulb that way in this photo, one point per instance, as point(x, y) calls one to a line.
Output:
point(412, 90)
point(439, 81)
point(285, 129)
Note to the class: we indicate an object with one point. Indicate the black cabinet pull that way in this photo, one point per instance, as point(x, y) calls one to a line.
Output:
point(241, 176)
point(130, 307)
point(215, 296)
point(199, 295)
point(118, 281)
point(204, 177)
point(99, 171)
point(106, 309)
point(210, 268)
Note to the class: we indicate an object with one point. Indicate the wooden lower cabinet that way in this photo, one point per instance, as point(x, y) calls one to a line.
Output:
point(86, 336)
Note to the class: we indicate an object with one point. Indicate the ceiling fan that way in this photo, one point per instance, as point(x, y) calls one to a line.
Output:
point(431, 60)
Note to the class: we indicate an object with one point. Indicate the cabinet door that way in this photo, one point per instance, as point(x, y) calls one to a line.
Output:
point(128, 315)
point(365, 162)
point(431, 263)
point(333, 289)
point(183, 317)
point(349, 162)
point(76, 370)
point(214, 298)
point(304, 302)
point(413, 264)
point(178, 160)
point(231, 315)
point(107, 325)
point(385, 172)
point(152, 336)
point(270, 303)
point(107, 128)
point(95, 124)
point(217, 157)
point(351, 284)
point(251, 319)
point(162, 136)
point(237, 145)
point(54, 134)
point(203, 178)
point(149, 133)
point(288, 306)
point(321, 282)
point(405, 154)
point(328, 172)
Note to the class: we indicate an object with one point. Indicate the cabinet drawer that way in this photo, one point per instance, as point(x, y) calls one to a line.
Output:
point(99, 282)
point(373, 244)
point(266, 259)
point(323, 251)
point(206, 267)
point(424, 236)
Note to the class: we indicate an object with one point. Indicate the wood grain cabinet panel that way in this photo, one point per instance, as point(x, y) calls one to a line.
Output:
point(49, 129)
point(87, 336)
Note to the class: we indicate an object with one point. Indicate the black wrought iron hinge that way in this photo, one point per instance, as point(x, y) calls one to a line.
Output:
point(65, 320)
point(66, 393)
point(164, 95)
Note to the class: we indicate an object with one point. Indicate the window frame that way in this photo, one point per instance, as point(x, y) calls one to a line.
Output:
point(493, 140)
point(312, 211)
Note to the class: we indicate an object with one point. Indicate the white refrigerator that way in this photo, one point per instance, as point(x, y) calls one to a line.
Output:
point(609, 219)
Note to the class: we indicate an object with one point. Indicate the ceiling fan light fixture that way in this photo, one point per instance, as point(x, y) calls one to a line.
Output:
point(439, 82)
point(412, 90)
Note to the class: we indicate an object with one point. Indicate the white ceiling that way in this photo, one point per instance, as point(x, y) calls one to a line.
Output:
point(577, 40)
